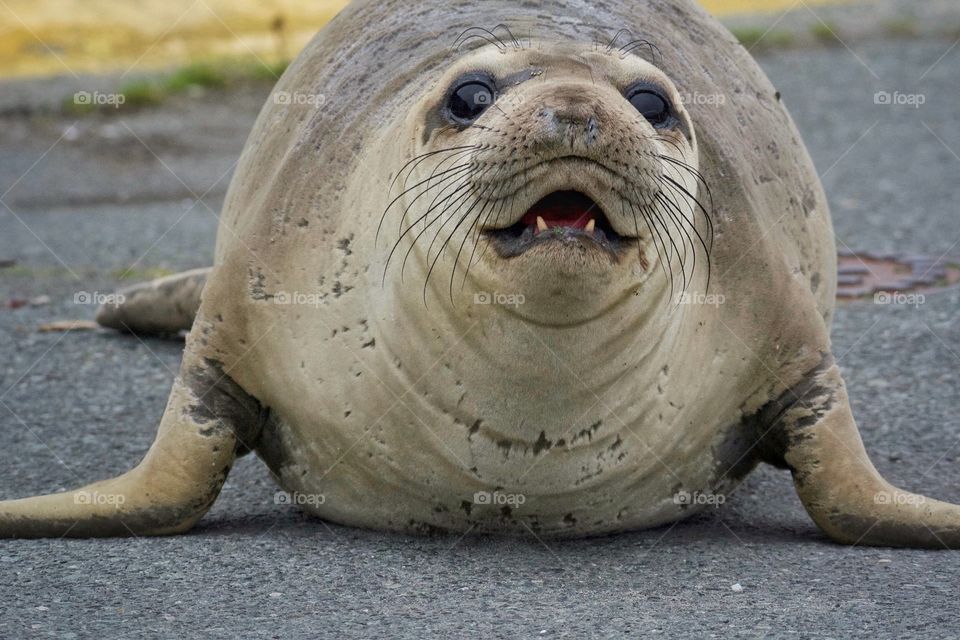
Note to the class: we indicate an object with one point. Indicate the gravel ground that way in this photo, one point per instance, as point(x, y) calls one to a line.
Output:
point(83, 406)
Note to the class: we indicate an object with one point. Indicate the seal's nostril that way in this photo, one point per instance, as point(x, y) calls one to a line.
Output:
point(593, 130)
point(571, 124)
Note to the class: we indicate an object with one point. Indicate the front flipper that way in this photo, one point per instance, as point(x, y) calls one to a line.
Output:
point(208, 422)
point(811, 431)
point(165, 306)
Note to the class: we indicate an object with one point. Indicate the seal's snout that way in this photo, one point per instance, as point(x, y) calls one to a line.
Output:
point(567, 119)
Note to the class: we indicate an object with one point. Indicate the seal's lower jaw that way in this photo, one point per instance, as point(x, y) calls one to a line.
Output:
point(564, 222)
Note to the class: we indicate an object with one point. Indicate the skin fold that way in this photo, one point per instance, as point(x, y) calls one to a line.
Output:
point(388, 336)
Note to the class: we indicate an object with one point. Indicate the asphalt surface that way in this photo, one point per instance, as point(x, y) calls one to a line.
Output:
point(82, 406)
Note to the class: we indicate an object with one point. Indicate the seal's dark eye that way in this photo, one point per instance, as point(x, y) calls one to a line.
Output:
point(470, 99)
point(651, 106)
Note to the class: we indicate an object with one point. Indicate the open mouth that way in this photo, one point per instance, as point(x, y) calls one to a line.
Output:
point(568, 217)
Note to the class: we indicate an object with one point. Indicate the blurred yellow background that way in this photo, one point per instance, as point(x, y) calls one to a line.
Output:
point(43, 37)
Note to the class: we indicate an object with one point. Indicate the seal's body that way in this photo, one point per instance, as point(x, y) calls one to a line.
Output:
point(518, 272)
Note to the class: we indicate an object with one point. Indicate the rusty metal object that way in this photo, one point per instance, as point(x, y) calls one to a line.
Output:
point(862, 275)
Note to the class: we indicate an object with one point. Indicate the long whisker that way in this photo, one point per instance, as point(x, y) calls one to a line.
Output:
point(455, 199)
point(476, 200)
point(453, 158)
point(686, 225)
point(424, 156)
point(496, 222)
point(477, 224)
point(669, 141)
point(680, 191)
point(417, 160)
point(449, 174)
point(636, 225)
point(446, 242)
point(666, 264)
point(613, 41)
point(676, 165)
point(454, 155)
point(655, 51)
point(658, 223)
point(458, 182)
point(516, 43)
point(450, 217)
point(657, 241)
point(659, 214)
point(673, 211)
point(485, 34)
point(693, 171)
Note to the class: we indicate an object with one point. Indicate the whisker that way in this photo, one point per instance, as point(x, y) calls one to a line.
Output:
point(496, 222)
point(485, 34)
point(476, 240)
point(636, 225)
point(616, 37)
point(448, 202)
point(659, 215)
point(464, 168)
point(452, 216)
point(476, 200)
point(659, 223)
point(469, 164)
point(657, 240)
point(446, 242)
point(682, 191)
point(672, 209)
point(457, 197)
point(454, 154)
point(633, 45)
point(707, 215)
point(666, 140)
point(427, 155)
point(676, 165)
point(458, 183)
point(477, 224)
point(516, 43)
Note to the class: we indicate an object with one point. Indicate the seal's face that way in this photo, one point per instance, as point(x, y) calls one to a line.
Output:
point(554, 171)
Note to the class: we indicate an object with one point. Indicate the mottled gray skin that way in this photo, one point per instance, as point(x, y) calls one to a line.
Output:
point(600, 399)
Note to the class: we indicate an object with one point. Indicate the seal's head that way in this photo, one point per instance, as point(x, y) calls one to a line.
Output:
point(562, 172)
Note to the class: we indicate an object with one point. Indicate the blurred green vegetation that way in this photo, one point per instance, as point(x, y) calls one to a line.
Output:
point(211, 75)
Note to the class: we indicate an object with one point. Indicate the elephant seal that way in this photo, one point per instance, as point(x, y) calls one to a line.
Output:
point(537, 280)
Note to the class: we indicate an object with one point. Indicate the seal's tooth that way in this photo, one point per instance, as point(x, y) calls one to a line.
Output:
point(541, 224)
point(591, 225)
